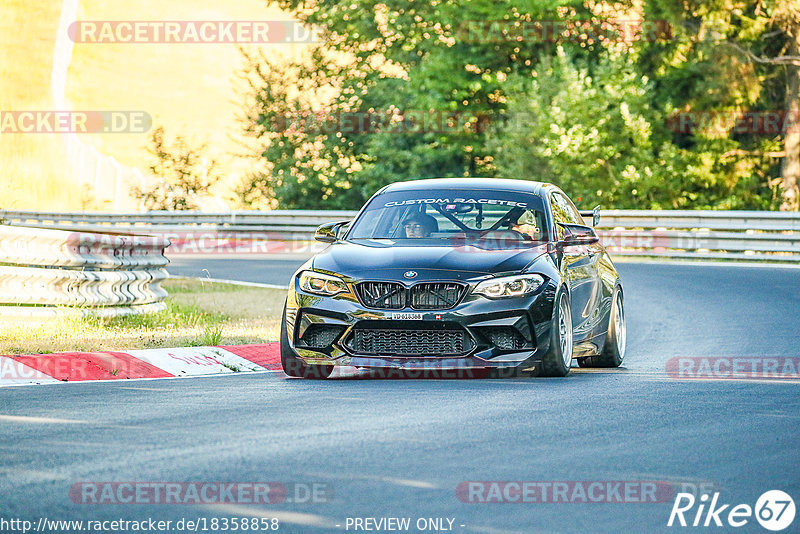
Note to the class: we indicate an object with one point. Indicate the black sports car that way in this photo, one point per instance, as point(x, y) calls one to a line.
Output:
point(457, 274)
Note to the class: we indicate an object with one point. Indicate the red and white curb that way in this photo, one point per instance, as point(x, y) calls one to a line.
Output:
point(30, 369)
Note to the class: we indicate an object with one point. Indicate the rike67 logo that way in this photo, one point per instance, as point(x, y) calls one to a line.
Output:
point(774, 510)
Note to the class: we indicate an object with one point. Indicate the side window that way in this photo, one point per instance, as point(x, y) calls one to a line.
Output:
point(575, 215)
point(564, 211)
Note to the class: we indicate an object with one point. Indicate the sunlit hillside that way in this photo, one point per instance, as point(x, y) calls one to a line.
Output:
point(190, 89)
point(31, 176)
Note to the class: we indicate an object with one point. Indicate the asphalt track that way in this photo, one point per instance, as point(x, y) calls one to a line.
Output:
point(400, 448)
point(255, 269)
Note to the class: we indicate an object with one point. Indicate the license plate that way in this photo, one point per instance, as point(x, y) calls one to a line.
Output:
point(403, 316)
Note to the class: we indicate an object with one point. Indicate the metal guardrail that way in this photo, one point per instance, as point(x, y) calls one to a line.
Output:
point(301, 222)
point(751, 235)
point(49, 272)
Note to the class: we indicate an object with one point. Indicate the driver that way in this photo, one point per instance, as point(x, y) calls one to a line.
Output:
point(526, 224)
point(419, 225)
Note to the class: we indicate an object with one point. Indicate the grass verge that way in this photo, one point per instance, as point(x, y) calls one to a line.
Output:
point(198, 313)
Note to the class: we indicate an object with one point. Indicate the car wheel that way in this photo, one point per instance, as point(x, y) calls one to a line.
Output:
point(291, 362)
point(558, 359)
point(614, 348)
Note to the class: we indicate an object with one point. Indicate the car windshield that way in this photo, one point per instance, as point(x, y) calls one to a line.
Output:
point(432, 217)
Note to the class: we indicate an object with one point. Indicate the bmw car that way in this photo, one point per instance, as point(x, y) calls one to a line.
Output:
point(502, 276)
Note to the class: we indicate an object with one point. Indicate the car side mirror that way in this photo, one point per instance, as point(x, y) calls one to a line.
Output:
point(577, 234)
point(330, 232)
point(594, 214)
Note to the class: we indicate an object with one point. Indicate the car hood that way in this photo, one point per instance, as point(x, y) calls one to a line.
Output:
point(371, 260)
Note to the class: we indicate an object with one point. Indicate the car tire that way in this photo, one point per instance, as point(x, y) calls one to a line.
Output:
point(557, 361)
point(614, 347)
point(291, 362)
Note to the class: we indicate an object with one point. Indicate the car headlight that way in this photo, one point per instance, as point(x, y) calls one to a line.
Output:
point(321, 284)
point(509, 286)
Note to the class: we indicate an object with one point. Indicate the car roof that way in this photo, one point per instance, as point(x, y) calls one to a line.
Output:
point(502, 184)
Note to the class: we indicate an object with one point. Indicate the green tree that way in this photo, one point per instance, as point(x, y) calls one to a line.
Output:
point(395, 55)
point(302, 162)
point(591, 128)
point(733, 57)
point(183, 175)
point(609, 137)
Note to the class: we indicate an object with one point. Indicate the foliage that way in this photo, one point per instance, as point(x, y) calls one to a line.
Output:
point(596, 134)
point(590, 114)
point(184, 176)
point(721, 62)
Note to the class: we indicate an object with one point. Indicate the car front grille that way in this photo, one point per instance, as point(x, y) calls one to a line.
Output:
point(436, 295)
point(407, 342)
point(382, 295)
point(421, 296)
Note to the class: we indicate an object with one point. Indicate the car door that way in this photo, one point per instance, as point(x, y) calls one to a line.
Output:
point(580, 270)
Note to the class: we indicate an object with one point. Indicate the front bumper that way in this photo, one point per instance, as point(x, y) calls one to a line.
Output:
point(499, 333)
